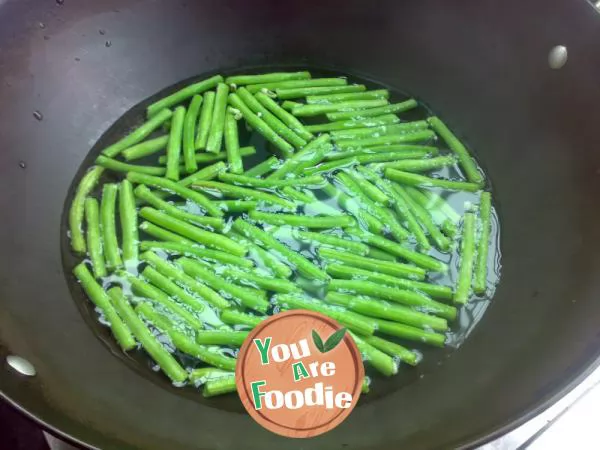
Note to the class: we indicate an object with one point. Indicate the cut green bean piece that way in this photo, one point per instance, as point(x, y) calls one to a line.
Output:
point(375, 253)
point(205, 374)
point(212, 240)
point(348, 96)
point(393, 349)
point(261, 126)
point(449, 228)
point(183, 94)
point(298, 196)
point(262, 257)
point(258, 280)
point(384, 364)
point(206, 113)
point(139, 134)
point(410, 333)
point(432, 201)
point(352, 206)
point(388, 267)
point(234, 206)
point(205, 158)
point(314, 82)
point(372, 112)
point(269, 183)
point(269, 164)
point(248, 297)
point(165, 235)
point(374, 307)
point(416, 136)
point(109, 227)
point(342, 221)
point(187, 282)
point(289, 105)
point(205, 174)
point(399, 151)
point(234, 317)
point(421, 165)
point(232, 144)
point(370, 190)
point(197, 251)
point(145, 148)
point(413, 179)
point(189, 135)
point(304, 266)
point(353, 124)
point(220, 386)
point(317, 110)
point(217, 126)
point(221, 337)
point(244, 193)
point(274, 77)
point(157, 352)
point(119, 166)
point(94, 242)
point(178, 189)
point(310, 155)
point(289, 93)
point(288, 119)
point(100, 298)
point(129, 223)
point(77, 210)
point(467, 258)
point(322, 239)
point(485, 211)
point(383, 130)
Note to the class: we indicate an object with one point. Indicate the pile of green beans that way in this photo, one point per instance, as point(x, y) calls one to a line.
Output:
point(345, 218)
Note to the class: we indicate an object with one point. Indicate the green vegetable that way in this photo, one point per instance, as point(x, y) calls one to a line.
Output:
point(485, 211)
point(205, 374)
point(97, 295)
point(383, 130)
point(257, 279)
point(183, 94)
point(205, 174)
point(352, 124)
point(197, 251)
point(379, 360)
point(288, 119)
point(206, 113)
point(94, 243)
point(119, 166)
point(350, 205)
point(217, 126)
point(388, 139)
point(244, 193)
point(129, 225)
point(232, 144)
point(269, 164)
point(234, 317)
point(393, 349)
point(370, 155)
point(189, 134)
point(320, 238)
point(274, 77)
point(76, 213)
point(262, 257)
point(108, 226)
point(432, 201)
point(413, 179)
point(467, 257)
point(421, 165)
point(317, 110)
point(270, 183)
point(220, 386)
point(145, 148)
point(314, 82)
point(310, 155)
point(205, 158)
point(297, 92)
point(161, 233)
point(372, 112)
point(221, 337)
point(139, 134)
point(342, 221)
point(375, 253)
point(234, 206)
point(409, 333)
point(348, 96)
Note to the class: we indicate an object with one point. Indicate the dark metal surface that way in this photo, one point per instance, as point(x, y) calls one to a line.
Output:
point(481, 64)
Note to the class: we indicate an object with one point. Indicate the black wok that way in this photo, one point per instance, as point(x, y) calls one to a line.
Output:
point(481, 64)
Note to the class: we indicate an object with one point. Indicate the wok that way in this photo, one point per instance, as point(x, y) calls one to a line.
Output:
point(483, 67)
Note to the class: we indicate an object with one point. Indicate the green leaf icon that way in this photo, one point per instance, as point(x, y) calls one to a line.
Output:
point(318, 341)
point(334, 340)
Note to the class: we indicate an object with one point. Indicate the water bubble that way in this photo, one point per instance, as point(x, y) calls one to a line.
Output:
point(102, 32)
point(22, 164)
point(42, 25)
point(107, 44)
point(38, 115)
point(557, 57)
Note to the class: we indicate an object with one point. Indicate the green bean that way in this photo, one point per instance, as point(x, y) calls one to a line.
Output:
point(261, 126)
point(257, 279)
point(277, 125)
point(232, 144)
point(421, 165)
point(304, 266)
point(413, 179)
point(205, 158)
point(289, 105)
point(244, 193)
point(288, 93)
point(211, 240)
point(178, 189)
point(108, 226)
point(351, 205)
point(217, 126)
point(264, 167)
point(248, 297)
point(416, 136)
point(263, 257)
point(432, 201)
point(94, 242)
point(76, 212)
point(317, 110)
point(424, 217)
point(183, 342)
point(421, 260)
point(374, 307)
point(349, 319)
point(383, 130)
point(153, 347)
point(323, 239)
point(310, 155)
point(466, 161)
point(119, 166)
point(449, 228)
point(145, 148)
point(387, 267)
point(206, 114)
point(348, 96)
point(314, 82)
point(187, 282)
point(467, 258)
point(375, 253)
point(234, 317)
point(394, 350)
point(362, 158)
point(197, 251)
point(139, 134)
point(342, 221)
point(234, 206)
point(183, 94)
point(129, 226)
point(205, 374)
point(288, 119)
point(379, 360)
point(409, 333)
point(485, 211)
point(400, 151)
point(161, 233)
point(221, 337)
point(402, 296)
point(270, 183)
point(205, 174)
point(274, 77)
point(370, 190)
point(97, 295)
point(220, 386)
point(298, 196)
point(189, 134)
point(372, 112)
point(354, 124)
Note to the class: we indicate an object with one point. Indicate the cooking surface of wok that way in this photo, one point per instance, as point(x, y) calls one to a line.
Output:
point(481, 65)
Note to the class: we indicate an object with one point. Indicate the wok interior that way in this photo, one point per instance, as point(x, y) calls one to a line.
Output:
point(482, 67)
